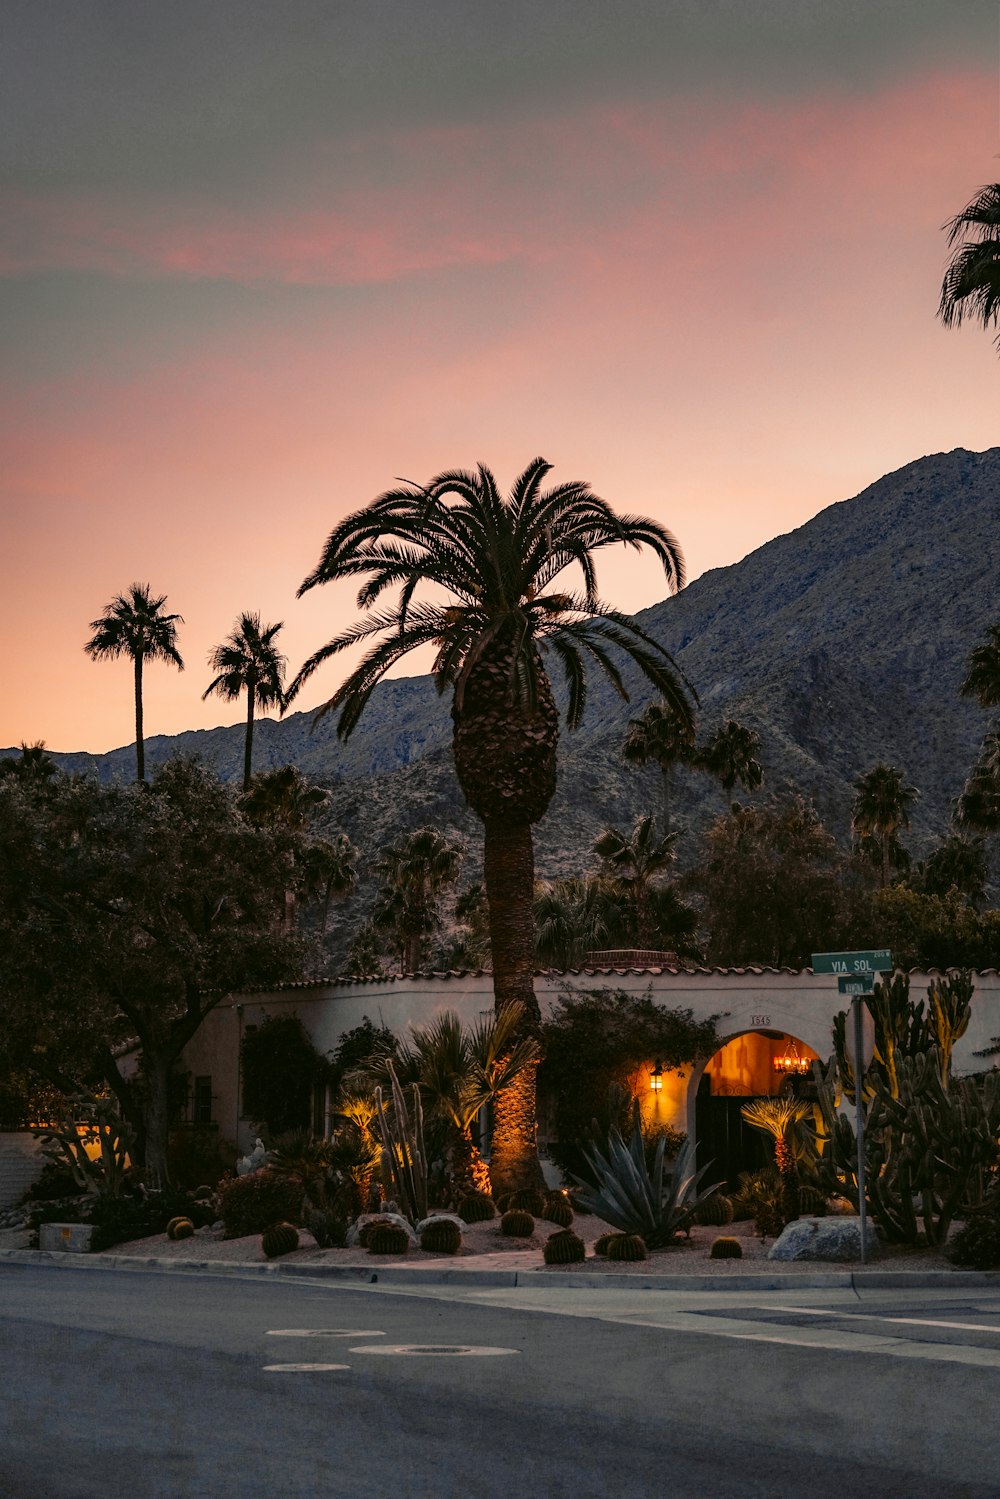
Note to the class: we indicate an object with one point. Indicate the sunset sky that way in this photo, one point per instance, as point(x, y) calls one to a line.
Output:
point(260, 259)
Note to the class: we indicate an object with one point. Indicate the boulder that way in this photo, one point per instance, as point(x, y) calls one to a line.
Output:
point(836, 1239)
point(353, 1233)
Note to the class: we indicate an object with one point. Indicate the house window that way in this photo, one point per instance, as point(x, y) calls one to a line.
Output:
point(202, 1109)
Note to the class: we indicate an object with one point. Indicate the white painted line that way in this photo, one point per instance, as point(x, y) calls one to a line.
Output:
point(438, 1350)
point(302, 1368)
point(320, 1332)
point(929, 1322)
point(808, 1311)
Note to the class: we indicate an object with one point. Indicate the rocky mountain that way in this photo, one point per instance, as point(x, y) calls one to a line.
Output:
point(841, 643)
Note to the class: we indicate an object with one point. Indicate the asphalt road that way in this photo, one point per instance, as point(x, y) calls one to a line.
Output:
point(135, 1384)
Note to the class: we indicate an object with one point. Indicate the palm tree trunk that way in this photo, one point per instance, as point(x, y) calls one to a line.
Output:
point(666, 803)
point(643, 925)
point(140, 748)
point(248, 747)
point(509, 868)
point(469, 1172)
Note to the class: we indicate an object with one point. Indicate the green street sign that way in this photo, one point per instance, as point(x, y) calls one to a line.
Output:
point(861, 983)
point(879, 961)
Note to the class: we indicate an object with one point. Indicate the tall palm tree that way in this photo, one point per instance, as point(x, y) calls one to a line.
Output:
point(979, 804)
point(573, 917)
point(636, 860)
point(134, 624)
point(881, 807)
point(283, 797)
point(35, 766)
point(248, 661)
point(414, 873)
point(731, 755)
point(496, 560)
point(971, 285)
point(982, 680)
point(662, 738)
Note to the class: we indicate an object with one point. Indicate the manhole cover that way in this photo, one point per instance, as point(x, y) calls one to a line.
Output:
point(302, 1368)
point(321, 1332)
point(433, 1350)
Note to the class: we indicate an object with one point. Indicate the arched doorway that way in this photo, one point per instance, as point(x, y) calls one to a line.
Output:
point(750, 1064)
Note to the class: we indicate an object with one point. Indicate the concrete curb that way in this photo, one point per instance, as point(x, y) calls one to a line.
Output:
point(400, 1276)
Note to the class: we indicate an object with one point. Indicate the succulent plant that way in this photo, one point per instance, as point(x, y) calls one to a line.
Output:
point(558, 1211)
point(564, 1248)
point(528, 1201)
point(517, 1224)
point(625, 1247)
point(714, 1211)
point(476, 1208)
point(280, 1238)
point(502, 1203)
point(601, 1244)
point(726, 1248)
point(388, 1238)
point(367, 1229)
point(441, 1236)
point(180, 1228)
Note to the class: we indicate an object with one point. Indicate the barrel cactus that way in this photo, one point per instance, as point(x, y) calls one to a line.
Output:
point(280, 1238)
point(180, 1228)
point(476, 1208)
point(441, 1236)
point(564, 1248)
point(388, 1238)
point(528, 1201)
point(367, 1229)
point(625, 1247)
point(726, 1248)
point(601, 1244)
point(558, 1211)
point(516, 1224)
point(714, 1211)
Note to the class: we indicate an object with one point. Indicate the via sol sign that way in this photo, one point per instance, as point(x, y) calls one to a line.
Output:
point(877, 961)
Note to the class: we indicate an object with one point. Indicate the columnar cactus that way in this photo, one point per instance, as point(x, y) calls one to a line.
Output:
point(280, 1238)
point(564, 1248)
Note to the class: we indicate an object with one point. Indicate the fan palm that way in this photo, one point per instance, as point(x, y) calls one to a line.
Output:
point(982, 680)
point(731, 756)
point(248, 661)
point(662, 738)
point(979, 804)
point(881, 807)
point(134, 624)
point(284, 798)
point(635, 861)
point(414, 873)
point(496, 560)
point(971, 285)
point(782, 1119)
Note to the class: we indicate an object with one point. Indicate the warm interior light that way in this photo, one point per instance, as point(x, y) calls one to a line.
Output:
point(656, 1077)
point(790, 1064)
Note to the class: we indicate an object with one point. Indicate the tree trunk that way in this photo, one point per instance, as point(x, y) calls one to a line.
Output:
point(469, 1172)
point(157, 1121)
point(140, 748)
point(509, 867)
point(666, 799)
point(248, 748)
point(643, 924)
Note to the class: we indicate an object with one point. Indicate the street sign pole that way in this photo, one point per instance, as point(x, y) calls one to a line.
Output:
point(859, 1109)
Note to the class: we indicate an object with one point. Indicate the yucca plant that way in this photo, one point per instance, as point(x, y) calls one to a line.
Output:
point(635, 1199)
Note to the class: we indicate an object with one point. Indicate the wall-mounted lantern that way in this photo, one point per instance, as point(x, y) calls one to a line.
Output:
point(656, 1077)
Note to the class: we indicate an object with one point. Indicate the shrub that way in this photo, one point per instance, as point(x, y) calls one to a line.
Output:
point(441, 1236)
point(977, 1245)
point(476, 1208)
point(625, 1247)
point(280, 1238)
point(716, 1211)
point(517, 1224)
point(280, 1066)
point(117, 1220)
point(563, 1248)
point(249, 1204)
point(55, 1181)
point(328, 1227)
point(387, 1238)
point(726, 1248)
point(528, 1201)
point(557, 1210)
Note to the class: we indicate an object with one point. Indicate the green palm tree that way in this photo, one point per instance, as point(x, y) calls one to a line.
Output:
point(134, 624)
point(971, 285)
point(635, 861)
point(496, 560)
point(414, 873)
point(662, 738)
point(979, 804)
point(575, 916)
point(731, 755)
point(284, 798)
point(881, 807)
point(248, 661)
point(782, 1119)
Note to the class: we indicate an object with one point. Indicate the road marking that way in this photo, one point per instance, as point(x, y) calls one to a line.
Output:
point(320, 1332)
point(439, 1350)
point(808, 1311)
point(302, 1368)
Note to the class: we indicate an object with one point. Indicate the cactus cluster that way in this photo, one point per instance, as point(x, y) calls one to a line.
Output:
point(726, 1248)
point(625, 1247)
point(280, 1238)
point(387, 1238)
point(180, 1228)
point(714, 1212)
point(557, 1210)
point(517, 1224)
point(528, 1201)
point(441, 1236)
point(564, 1248)
point(476, 1208)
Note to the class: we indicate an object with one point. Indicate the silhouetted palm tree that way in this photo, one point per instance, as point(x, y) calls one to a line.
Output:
point(662, 738)
point(635, 861)
point(497, 560)
point(971, 285)
point(34, 766)
point(979, 804)
point(731, 755)
point(248, 661)
point(134, 624)
point(881, 807)
point(414, 872)
point(982, 680)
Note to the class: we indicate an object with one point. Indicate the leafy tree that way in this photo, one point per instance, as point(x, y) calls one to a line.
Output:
point(496, 560)
point(731, 756)
point(958, 863)
point(599, 1037)
point(664, 739)
point(773, 887)
point(249, 661)
point(881, 807)
point(357, 1046)
point(280, 1067)
point(126, 915)
point(635, 862)
point(134, 624)
point(935, 931)
point(414, 872)
point(971, 285)
point(364, 957)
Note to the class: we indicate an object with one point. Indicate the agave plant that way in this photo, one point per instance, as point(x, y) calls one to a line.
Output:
point(636, 1199)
